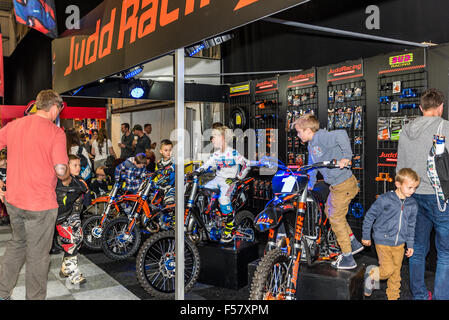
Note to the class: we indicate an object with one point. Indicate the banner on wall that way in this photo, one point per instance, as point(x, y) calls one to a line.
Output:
point(404, 61)
point(345, 70)
point(303, 78)
point(241, 89)
point(267, 85)
point(120, 34)
point(37, 14)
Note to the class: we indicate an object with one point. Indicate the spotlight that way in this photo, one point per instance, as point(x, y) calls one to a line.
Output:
point(138, 89)
point(130, 73)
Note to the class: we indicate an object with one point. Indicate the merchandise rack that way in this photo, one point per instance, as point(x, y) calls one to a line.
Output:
point(413, 80)
point(242, 102)
point(353, 106)
point(265, 117)
point(301, 100)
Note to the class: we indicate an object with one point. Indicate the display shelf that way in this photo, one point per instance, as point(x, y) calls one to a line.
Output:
point(265, 120)
point(347, 111)
point(300, 101)
point(398, 104)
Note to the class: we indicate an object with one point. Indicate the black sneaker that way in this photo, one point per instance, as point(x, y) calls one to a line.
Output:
point(344, 262)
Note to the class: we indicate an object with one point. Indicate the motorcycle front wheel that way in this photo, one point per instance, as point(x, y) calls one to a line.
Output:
point(155, 265)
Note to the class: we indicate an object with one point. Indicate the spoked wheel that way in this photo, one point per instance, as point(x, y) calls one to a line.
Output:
point(92, 233)
point(271, 276)
point(155, 265)
point(116, 243)
point(244, 225)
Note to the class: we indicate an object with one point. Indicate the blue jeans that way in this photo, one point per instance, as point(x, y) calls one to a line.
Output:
point(429, 216)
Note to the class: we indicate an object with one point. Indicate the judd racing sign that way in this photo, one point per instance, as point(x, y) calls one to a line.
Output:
point(120, 34)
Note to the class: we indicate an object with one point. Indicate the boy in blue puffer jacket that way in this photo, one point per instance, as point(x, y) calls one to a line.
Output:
point(392, 218)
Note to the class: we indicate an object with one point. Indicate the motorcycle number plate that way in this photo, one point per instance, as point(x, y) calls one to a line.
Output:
point(289, 183)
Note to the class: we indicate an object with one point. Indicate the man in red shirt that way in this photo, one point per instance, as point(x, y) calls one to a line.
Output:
point(37, 156)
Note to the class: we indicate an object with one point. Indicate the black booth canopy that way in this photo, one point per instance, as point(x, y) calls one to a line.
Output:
point(118, 35)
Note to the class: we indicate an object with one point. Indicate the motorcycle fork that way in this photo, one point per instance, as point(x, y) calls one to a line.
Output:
point(296, 246)
point(109, 206)
point(190, 201)
point(272, 239)
point(135, 213)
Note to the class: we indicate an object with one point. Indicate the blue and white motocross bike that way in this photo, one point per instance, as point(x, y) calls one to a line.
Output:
point(298, 230)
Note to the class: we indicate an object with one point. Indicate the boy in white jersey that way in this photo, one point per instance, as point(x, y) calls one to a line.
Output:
point(229, 164)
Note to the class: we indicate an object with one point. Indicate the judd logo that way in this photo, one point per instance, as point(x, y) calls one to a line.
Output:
point(301, 77)
point(401, 60)
point(345, 70)
point(392, 156)
point(137, 19)
point(267, 84)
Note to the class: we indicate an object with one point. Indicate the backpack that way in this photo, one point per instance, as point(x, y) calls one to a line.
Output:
point(438, 168)
point(86, 170)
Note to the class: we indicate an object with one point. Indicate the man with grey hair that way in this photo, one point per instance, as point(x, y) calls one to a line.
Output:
point(37, 157)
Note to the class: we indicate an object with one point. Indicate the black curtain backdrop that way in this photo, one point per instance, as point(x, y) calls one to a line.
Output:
point(264, 46)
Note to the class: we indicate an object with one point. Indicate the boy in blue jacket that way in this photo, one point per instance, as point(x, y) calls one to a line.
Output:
point(326, 146)
point(392, 218)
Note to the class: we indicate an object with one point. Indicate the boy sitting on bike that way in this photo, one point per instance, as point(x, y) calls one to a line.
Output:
point(68, 222)
point(166, 167)
point(133, 172)
point(326, 146)
point(229, 164)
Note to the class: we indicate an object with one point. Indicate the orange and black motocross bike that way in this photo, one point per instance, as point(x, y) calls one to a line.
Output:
point(308, 236)
point(122, 236)
point(101, 210)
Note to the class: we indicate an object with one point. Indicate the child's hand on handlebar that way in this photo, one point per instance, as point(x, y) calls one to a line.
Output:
point(344, 163)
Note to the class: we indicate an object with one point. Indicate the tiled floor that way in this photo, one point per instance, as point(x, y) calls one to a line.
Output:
point(100, 286)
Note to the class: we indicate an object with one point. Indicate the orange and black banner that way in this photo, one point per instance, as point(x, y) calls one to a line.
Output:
point(267, 85)
point(120, 34)
point(303, 78)
point(346, 70)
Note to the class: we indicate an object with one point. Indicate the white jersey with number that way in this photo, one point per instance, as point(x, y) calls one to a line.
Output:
point(228, 164)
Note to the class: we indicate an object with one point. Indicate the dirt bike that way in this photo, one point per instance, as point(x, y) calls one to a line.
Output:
point(203, 219)
point(107, 207)
point(122, 236)
point(203, 222)
point(300, 212)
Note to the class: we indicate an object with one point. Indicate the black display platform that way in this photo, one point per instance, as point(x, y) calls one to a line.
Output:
point(226, 266)
point(322, 282)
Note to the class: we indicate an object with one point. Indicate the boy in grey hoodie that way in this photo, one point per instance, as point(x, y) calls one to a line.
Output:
point(392, 218)
point(326, 146)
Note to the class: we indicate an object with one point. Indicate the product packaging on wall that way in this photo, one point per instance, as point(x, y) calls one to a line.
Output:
point(401, 81)
point(347, 111)
point(302, 98)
